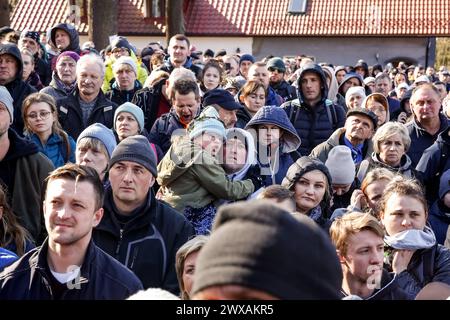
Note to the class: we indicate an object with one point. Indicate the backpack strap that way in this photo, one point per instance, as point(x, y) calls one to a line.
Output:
point(331, 112)
point(295, 104)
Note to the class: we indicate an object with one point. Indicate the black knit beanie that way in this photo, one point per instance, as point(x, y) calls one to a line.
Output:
point(257, 245)
point(136, 149)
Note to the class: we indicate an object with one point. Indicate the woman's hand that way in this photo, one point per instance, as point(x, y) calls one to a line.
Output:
point(401, 260)
point(402, 117)
point(358, 200)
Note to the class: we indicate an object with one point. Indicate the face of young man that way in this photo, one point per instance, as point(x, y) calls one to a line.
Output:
point(69, 212)
point(364, 257)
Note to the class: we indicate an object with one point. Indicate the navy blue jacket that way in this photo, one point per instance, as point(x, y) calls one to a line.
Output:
point(314, 124)
point(168, 67)
point(433, 163)
point(70, 114)
point(273, 173)
point(421, 139)
point(285, 90)
point(162, 130)
point(425, 266)
point(147, 243)
point(18, 88)
point(439, 219)
point(101, 278)
point(121, 96)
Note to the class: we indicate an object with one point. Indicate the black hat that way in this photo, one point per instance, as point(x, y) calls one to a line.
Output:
point(30, 34)
point(365, 112)
point(252, 246)
point(147, 51)
point(222, 98)
point(221, 53)
point(5, 30)
point(208, 53)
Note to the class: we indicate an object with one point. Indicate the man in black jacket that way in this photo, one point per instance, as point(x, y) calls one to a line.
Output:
point(87, 104)
point(69, 265)
point(11, 67)
point(138, 230)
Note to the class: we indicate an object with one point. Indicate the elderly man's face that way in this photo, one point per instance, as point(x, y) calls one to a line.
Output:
point(89, 79)
point(425, 104)
point(29, 43)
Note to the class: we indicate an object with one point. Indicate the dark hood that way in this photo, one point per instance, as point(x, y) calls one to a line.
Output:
point(73, 33)
point(13, 50)
point(121, 42)
point(20, 147)
point(347, 77)
point(406, 97)
point(312, 67)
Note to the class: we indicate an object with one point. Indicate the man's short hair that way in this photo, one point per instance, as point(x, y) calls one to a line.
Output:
point(79, 173)
point(184, 87)
point(91, 58)
point(352, 223)
point(181, 37)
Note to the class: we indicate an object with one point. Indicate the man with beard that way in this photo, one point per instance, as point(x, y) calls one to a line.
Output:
point(185, 98)
point(358, 238)
point(87, 104)
point(22, 170)
point(11, 67)
point(277, 71)
point(69, 266)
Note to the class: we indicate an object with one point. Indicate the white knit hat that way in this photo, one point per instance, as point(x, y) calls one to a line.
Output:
point(341, 166)
point(355, 91)
point(125, 60)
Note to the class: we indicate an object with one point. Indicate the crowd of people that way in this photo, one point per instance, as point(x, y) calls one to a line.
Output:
point(216, 176)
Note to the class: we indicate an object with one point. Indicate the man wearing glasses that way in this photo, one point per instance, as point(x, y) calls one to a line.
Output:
point(277, 71)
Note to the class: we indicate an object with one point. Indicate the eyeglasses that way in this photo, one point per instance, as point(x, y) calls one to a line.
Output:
point(41, 114)
point(274, 69)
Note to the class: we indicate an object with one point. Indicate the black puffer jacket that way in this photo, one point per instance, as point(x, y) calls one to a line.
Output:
point(146, 244)
point(102, 278)
point(70, 114)
point(18, 88)
point(314, 124)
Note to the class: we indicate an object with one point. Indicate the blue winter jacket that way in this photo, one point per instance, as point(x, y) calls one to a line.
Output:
point(55, 149)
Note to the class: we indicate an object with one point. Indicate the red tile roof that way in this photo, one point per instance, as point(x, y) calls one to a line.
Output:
point(264, 17)
point(40, 15)
point(322, 18)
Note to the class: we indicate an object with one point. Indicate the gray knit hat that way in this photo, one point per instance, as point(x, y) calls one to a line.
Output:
point(7, 100)
point(125, 60)
point(102, 133)
point(137, 113)
point(136, 149)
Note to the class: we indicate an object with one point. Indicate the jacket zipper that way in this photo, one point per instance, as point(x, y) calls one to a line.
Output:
point(119, 243)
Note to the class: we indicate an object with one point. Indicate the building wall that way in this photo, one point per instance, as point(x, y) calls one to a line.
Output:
point(347, 51)
point(231, 44)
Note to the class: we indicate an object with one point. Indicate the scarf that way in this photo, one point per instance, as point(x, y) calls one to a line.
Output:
point(413, 239)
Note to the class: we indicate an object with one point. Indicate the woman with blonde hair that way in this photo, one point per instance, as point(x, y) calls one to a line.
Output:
point(185, 260)
point(40, 118)
point(391, 143)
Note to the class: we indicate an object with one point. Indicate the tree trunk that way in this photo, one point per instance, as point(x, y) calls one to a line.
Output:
point(102, 21)
point(174, 18)
point(4, 13)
